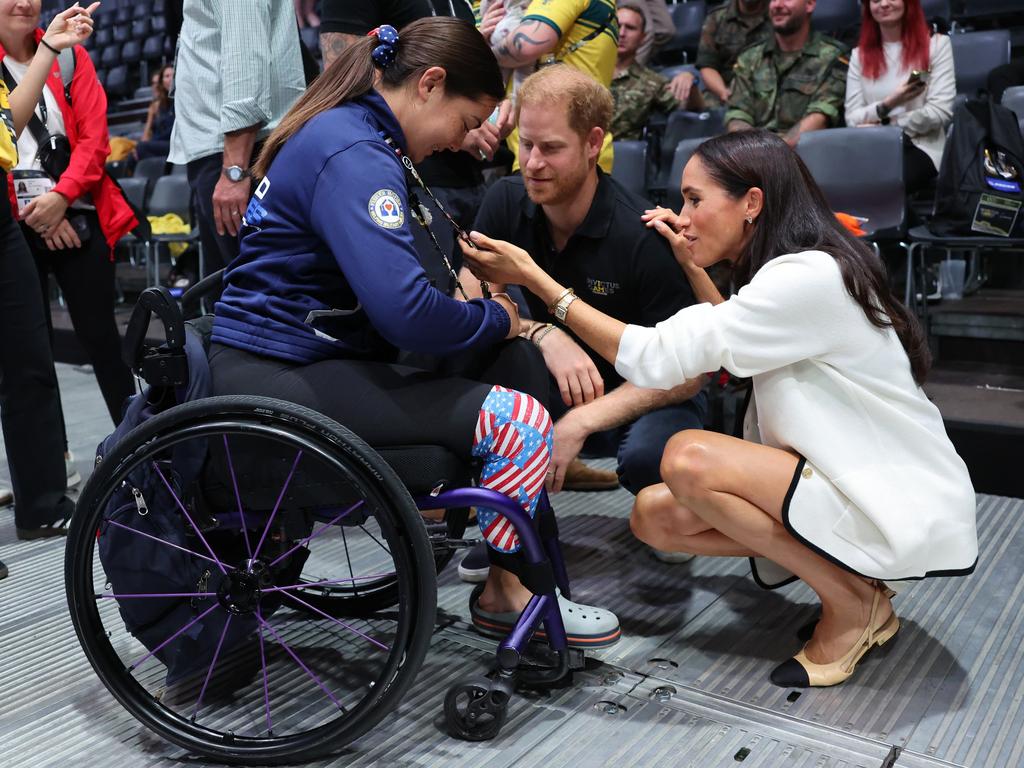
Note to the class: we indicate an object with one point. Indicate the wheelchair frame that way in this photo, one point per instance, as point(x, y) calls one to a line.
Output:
point(475, 708)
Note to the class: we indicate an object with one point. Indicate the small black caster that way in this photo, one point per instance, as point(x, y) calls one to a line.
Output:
point(475, 709)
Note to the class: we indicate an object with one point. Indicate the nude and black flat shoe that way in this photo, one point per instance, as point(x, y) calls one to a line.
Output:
point(801, 672)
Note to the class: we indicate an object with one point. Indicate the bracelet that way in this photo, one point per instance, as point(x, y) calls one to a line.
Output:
point(534, 329)
point(43, 41)
point(539, 337)
point(562, 295)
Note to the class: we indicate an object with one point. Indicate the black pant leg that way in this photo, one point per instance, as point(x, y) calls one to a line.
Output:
point(218, 250)
point(86, 277)
point(918, 168)
point(1003, 77)
point(29, 399)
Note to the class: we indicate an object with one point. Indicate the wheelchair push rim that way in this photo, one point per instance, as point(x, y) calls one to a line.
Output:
point(305, 653)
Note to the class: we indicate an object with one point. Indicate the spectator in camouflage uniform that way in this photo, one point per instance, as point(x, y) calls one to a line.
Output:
point(637, 90)
point(793, 82)
point(727, 32)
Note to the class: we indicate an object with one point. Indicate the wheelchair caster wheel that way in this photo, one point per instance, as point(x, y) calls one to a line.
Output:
point(475, 710)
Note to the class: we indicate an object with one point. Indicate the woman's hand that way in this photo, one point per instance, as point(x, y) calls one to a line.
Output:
point(906, 92)
point(70, 27)
point(496, 261)
point(513, 313)
point(45, 213)
point(62, 236)
point(495, 13)
point(669, 225)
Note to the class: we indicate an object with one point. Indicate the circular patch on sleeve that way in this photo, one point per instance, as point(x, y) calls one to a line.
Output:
point(386, 209)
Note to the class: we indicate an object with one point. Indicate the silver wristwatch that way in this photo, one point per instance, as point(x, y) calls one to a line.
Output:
point(236, 173)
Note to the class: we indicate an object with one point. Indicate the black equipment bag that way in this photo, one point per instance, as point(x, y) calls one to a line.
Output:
point(980, 188)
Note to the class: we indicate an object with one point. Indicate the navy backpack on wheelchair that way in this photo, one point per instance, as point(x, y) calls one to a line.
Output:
point(253, 582)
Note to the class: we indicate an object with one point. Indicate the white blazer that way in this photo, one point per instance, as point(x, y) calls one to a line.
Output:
point(838, 391)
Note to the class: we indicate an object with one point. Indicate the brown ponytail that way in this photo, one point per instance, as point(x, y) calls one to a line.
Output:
point(452, 44)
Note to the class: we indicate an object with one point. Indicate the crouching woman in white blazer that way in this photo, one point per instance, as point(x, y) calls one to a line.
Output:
point(846, 477)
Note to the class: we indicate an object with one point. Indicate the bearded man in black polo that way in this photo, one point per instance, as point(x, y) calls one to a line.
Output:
point(585, 230)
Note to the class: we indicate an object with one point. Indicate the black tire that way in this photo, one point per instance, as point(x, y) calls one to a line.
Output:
point(399, 524)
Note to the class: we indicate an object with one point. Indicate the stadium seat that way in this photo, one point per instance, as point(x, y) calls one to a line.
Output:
point(630, 167)
point(131, 53)
point(122, 32)
point(135, 189)
point(116, 83)
point(169, 51)
point(171, 194)
point(860, 171)
point(686, 125)
point(681, 156)
point(151, 169)
point(111, 56)
point(140, 29)
point(153, 48)
point(975, 54)
point(940, 10)
point(672, 71)
point(143, 9)
point(836, 17)
point(159, 24)
point(688, 18)
point(104, 36)
point(159, 7)
point(123, 15)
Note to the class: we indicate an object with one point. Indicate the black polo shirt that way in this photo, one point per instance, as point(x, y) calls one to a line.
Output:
point(613, 261)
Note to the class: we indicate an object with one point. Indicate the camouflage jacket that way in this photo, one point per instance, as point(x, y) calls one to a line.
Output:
point(637, 92)
point(726, 33)
point(775, 90)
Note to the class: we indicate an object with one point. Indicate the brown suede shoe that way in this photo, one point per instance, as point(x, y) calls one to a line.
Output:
point(580, 477)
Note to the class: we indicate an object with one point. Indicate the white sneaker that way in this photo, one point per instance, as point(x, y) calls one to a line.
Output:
point(74, 478)
point(672, 557)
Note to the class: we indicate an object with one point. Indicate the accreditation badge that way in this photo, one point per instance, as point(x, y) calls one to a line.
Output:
point(386, 209)
point(28, 185)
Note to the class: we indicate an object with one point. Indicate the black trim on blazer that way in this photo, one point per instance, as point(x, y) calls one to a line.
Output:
point(793, 532)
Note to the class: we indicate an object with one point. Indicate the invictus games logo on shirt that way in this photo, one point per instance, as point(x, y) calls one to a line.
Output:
point(386, 209)
point(602, 287)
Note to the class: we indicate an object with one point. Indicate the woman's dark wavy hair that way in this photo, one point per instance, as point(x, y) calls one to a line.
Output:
point(795, 217)
point(439, 41)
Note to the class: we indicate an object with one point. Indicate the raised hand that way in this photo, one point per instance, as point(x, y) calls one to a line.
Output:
point(70, 27)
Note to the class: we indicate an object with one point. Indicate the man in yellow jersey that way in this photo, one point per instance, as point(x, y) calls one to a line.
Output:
point(580, 33)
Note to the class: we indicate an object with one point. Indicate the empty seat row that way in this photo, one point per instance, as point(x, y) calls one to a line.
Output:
point(139, 29)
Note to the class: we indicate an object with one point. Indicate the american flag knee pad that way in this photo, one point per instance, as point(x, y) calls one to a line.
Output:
point(513, 437)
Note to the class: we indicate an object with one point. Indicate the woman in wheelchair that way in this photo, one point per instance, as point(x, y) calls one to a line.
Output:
point(846, 477)
point(327, 287)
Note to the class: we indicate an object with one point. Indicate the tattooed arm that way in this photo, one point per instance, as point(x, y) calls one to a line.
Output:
point(333, 43)
point(526, 43)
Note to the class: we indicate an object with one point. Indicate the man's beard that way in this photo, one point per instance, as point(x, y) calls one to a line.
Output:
point(559, 190)
point(790, 26)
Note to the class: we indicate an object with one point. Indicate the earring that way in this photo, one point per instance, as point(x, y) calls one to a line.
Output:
point(750, 219)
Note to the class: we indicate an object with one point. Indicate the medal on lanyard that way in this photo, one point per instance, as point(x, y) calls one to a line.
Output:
point(422, 214)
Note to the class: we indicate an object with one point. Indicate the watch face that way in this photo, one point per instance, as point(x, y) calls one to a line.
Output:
point(234, 173)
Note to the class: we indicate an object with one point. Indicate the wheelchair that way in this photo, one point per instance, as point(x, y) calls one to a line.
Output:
point(256, 584)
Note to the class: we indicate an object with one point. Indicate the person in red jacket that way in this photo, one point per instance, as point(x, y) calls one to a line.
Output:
point(72, 216)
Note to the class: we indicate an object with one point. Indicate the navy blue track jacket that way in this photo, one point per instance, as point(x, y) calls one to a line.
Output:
point(327, 267)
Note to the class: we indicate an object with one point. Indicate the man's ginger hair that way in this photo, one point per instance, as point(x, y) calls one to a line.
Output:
point(589, 103)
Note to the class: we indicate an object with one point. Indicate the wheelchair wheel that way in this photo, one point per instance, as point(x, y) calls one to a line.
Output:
point(188, 593)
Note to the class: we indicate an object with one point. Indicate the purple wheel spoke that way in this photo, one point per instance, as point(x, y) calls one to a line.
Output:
point(316, 533)
point(238, 497)
point(326, 582)
point(162, 541)
point(280, 497)
point(112, 596)
point(190, 520)
point(337, 621)
point(202, 615)
point(266, 686)
point(209, 673)
point(298, 661)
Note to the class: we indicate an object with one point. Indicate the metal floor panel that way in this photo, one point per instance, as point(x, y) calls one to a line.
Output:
point(946, 691)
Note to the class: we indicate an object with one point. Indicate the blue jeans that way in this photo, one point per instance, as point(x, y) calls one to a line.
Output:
point(638, 446)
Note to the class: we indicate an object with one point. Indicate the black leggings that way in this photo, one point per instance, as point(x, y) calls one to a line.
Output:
point(87, 280)
point(29, 400)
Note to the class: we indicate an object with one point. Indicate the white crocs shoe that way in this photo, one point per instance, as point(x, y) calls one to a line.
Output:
point(585, 625)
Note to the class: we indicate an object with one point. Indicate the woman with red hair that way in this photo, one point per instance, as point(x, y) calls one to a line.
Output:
point(902, 74)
